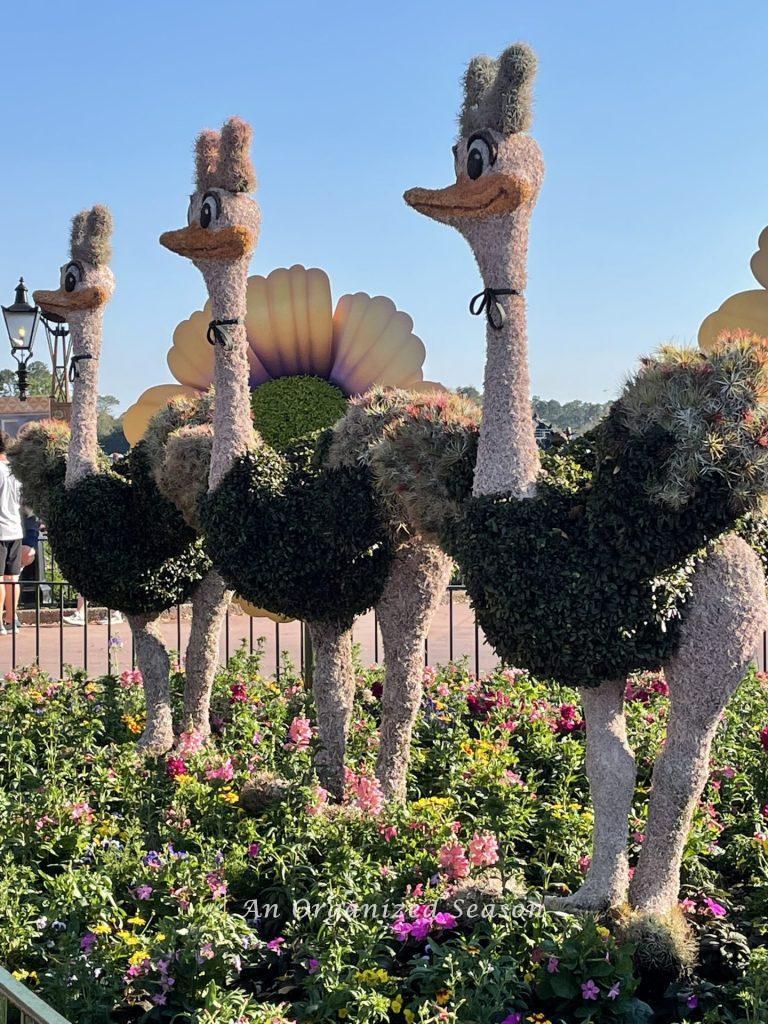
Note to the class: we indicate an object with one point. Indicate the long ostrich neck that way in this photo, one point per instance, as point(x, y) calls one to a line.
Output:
point(82, 458)
point(507, 456)
point(232, 424)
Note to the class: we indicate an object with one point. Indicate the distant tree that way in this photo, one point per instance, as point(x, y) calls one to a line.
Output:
point(38, 383)
point(470, 391)
point(575, 415)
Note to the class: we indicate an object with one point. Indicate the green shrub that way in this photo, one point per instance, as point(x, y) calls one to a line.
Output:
point(289, 408)
point(295, 537)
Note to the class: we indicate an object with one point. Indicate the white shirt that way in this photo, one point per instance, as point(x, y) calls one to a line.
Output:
point(11, 526)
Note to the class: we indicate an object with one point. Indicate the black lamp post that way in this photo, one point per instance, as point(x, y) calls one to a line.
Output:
point(21, 322)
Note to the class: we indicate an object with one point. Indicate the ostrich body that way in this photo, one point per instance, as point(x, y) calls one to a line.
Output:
point(499, 171)
point(112, 534)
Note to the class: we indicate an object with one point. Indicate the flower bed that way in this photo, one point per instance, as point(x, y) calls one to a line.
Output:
point(132, 889)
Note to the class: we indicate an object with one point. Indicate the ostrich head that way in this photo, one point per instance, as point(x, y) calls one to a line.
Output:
point(499, 168)
point(86, 280)
point(223, 220)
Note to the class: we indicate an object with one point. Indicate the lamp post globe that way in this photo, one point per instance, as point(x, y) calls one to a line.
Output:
point(21, 322)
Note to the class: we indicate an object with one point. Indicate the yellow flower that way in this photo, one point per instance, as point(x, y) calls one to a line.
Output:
point(342, 1013)
point(101, 928)
point(128, 939)
point(410, 1016)
point(528, 978)
point(160, 937)
point(139, 957)
point(136, 920)
point(397, 1004)
point(603, 932)
point(228, 797)
point(183, 779)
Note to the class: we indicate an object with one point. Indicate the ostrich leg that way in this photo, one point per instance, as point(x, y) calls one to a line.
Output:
point(414, 589)
point(726, 612)
point(209, 605)
point(611, 772)
point(334, 689)
point(154, 663)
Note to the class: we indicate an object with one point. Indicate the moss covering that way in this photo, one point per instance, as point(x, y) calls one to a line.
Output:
point(114, 537)
point(295, 537)
point(289, 408)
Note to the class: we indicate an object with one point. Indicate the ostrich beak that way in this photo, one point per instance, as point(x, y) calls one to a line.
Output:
point(60, 303)
point(486, 196)
point(198, 243)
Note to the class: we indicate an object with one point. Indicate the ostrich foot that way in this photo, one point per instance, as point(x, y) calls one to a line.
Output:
point(157, 739)
point(209, 606)
point(590, 898)
point(334, 688)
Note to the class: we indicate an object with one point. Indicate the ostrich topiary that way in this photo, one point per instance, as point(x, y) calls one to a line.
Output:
point(586, 570)
point(292, 529)
point(112, 534)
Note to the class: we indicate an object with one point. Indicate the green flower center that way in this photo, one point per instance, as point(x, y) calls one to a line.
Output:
point(289, 408)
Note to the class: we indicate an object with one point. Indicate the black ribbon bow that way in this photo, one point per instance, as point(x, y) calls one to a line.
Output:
point(487, 301)
point(215, 334)
point(74, 370)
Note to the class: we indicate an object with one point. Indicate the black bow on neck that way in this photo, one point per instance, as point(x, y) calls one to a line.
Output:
point(487, 301)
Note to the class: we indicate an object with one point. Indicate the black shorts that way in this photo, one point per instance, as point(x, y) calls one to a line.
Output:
point(10, 557)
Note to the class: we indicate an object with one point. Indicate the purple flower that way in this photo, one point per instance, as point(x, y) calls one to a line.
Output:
point(444, 920)
point(275, 944)
point(313, 966)
point(589, 990)
point(153, 859)
point(552, 965)
point(88, 941)
point(716, 909)
point(253, 850)
point(613, 991)
point(693, 1002)
point(401, 928)
point(513, 1018)
point(143, 892)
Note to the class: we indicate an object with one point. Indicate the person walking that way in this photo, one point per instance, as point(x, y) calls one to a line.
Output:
point(11, 539)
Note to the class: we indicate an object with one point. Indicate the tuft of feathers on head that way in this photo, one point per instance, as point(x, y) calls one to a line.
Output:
point(91, 235)
point(235, 169)
point(206, 159)
point(498, 94)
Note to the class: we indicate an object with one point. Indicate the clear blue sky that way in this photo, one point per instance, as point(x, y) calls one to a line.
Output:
point(652, 118)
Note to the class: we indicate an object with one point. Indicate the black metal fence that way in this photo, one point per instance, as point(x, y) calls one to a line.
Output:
point(103, 643)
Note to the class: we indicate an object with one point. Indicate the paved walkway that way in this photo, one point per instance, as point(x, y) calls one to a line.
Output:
point(55, 644)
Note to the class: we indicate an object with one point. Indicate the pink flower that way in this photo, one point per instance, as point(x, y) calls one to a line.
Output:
point(216, 884)
point(299, 734)
point(365, 793)
point(589, 990)
point(321, 799)
point(275, 944)
point(688, 906)
point(483, 850)
point(716, 909)
point(389, 832)
point(764, 738)
point(190, 742)
point(513, 779)
point(585, 863)
point(401, 928)
point(552, 965)
point(176, 766)
point(225, 772)
point(453, 860)
point(444, 920)
point(81, 812)
point(130, 678)
point(253, 850)
point(143, 892)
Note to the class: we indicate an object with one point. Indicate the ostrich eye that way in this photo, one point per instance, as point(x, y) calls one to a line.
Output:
point(480, 156)
point(210, 210)
point(72, 277)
